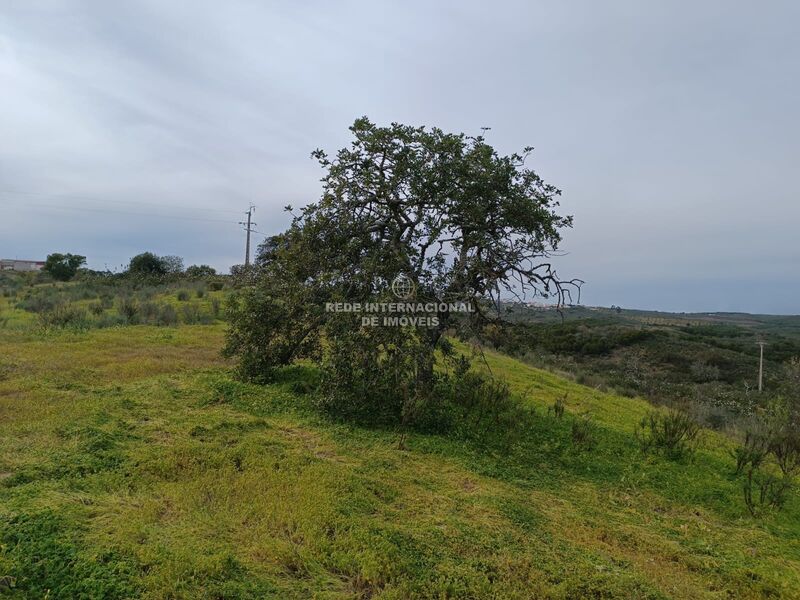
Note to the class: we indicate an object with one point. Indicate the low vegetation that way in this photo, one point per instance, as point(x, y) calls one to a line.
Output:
point(133, 463)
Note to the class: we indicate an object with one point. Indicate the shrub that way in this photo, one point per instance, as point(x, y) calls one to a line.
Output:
point(200, 292)
point(752, 452)
point(183, 295)
point(192, 315)
point(96, 308)
point(702, 372)
point(38, 302)
point(149, 311)
point(674, 432)
point(785, 447)
point(215, 307)
point(764, 490)
point(129, 309)
point(473, 405)
point(167, 316)
point(64, 316)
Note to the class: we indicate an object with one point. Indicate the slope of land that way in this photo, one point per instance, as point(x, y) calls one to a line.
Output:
point(133, 465)
point(708, 360)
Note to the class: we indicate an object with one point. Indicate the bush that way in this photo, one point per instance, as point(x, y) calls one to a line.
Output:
point(129, 309)
point(785, 447)
point(149, 311)
point(96, 308)
point(200, 292)
point(183, 295)
point(472, 405)
point(38, 302)
point(64, 316)
point(752, 452)
point(674, 432)
point(167, 316)
point(215, 307)
point(191, 314)
point(764, 490)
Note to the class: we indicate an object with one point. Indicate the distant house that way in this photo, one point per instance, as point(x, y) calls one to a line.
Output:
point(12, 264)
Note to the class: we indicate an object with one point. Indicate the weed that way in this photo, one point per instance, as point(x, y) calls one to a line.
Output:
point(558, 407)
point(673, 431)
point(64, 316)
point(129, 309)
point(167, 315)
point(583, 432)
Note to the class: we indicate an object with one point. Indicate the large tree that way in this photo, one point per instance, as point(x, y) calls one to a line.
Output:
point(463, 222)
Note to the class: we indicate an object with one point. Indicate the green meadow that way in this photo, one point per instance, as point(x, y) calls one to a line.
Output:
point(134, 465)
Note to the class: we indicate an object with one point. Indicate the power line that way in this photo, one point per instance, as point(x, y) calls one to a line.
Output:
point(123, 212)
point(104, 200)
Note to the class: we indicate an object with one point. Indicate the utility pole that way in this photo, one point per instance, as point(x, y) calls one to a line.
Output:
point(249, 224)
point(761, 367)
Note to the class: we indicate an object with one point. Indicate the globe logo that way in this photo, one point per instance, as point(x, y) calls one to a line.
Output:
point(403, 287)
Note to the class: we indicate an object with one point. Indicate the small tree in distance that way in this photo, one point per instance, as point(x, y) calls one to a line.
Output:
point(200, 271)
point(63, 267)
point(146, 263)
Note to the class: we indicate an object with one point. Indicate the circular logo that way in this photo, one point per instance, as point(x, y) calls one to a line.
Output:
point(403, 287)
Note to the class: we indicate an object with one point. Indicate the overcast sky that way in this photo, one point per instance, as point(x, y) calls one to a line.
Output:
point(671, 127)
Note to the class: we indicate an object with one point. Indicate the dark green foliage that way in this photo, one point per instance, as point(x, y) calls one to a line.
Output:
point(147, 263)
point(460, 221)
point(182, 295)
point(63, 267)
point(200, 271)
point(673, 432)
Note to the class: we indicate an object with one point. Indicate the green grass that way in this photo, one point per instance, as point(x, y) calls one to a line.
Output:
point(133, 465)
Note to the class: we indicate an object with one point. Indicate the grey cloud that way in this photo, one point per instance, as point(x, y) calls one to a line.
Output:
point(670, 127)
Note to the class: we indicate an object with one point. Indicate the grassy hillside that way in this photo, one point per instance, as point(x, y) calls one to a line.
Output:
point(133, 465)
point(709, 360)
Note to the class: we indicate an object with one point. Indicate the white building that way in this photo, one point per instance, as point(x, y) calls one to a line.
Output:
point(12, 264)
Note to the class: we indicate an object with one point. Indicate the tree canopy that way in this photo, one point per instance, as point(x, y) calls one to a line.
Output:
point(148, 263)
point(63, 267)
point(447, 211)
